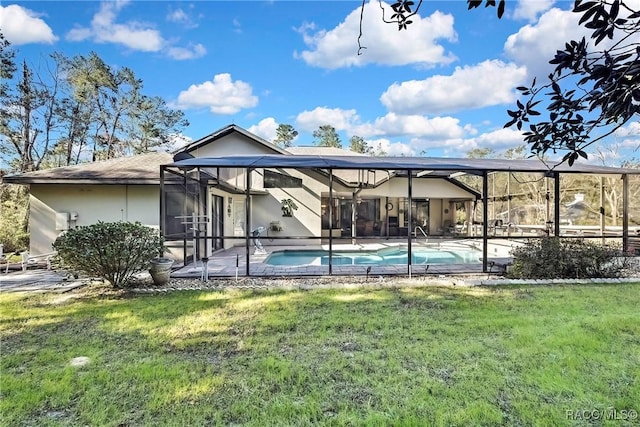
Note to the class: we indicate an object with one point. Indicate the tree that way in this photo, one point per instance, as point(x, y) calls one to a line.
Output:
point(27, 122)
point(594, 89)
point(606, 95)
point(7, 65)
point(7, 70)
point(123, 119)
point(480, 153)
point(326, 136)
point(14, 206)
point(611, 185)
point(359, 145)
point(79, 109)
point(379, 151)
point(285, 134)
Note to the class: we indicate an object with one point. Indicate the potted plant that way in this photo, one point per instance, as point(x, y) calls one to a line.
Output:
point(288, 206)
point(160, 270)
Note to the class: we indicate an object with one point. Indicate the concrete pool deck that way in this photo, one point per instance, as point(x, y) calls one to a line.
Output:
point(232, 262)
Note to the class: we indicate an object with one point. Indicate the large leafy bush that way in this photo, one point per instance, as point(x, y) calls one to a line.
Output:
point(557, 258)
point(113, 251)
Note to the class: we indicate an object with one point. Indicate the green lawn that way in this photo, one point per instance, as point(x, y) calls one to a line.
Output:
point(541, 355)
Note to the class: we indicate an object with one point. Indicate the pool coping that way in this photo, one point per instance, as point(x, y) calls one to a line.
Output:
point(232, 262)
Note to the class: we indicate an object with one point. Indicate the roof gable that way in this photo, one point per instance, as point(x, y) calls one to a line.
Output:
point(262, 145)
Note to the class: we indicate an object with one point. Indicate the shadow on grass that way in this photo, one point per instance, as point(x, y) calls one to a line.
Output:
point(432, 355)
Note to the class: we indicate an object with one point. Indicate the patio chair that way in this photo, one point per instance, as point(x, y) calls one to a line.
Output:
point(36, 260)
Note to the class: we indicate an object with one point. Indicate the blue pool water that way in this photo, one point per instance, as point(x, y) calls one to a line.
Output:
point(387, 256)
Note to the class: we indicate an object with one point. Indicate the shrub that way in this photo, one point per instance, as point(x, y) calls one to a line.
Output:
point(557, 258)
point(113, 251)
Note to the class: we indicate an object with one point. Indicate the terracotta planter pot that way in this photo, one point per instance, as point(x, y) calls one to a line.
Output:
point(160, 270)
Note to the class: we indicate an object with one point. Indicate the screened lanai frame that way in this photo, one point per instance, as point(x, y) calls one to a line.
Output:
point(200, 170)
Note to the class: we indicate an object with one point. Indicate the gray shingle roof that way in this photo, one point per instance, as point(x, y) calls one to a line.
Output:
point(140, 169)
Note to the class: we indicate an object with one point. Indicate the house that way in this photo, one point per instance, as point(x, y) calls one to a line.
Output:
point(366, 203)
point(124, 189)
point(219, 191)
point(363, 203)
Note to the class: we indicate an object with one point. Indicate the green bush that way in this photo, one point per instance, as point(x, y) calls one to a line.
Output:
point(557, 258)
point(113, 251)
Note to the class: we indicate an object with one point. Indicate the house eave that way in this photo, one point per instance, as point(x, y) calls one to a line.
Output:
point(79, 181)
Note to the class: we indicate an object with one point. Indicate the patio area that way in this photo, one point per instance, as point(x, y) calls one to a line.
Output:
point(232, 262)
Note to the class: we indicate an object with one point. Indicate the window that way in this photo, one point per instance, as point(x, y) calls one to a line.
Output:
point(277, 180)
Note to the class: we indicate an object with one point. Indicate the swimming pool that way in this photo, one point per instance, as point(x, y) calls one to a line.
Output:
point(386, 256)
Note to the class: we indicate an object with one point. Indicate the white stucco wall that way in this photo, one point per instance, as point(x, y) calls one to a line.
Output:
point(306, 219)
point(432, 188)
point(92, 203)
point(231, 145)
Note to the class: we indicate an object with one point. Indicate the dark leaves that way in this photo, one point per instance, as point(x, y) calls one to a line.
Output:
point(403, 10)
point(588, 90)
point(472, 4)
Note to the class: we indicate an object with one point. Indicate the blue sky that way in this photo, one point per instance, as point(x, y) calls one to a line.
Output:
point(441, 88)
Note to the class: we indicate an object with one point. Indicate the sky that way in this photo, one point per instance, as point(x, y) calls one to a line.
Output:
point(439, 88)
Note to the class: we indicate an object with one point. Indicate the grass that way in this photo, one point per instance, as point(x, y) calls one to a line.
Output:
point(407, 356)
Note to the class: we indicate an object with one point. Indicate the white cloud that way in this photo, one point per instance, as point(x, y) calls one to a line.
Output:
point(266, 128)
point(411, 125)
point(190, 52)
point(237, 26)
point(78, 34)
point(391, 148)
point(534, 45)
point(222, 95)
point(134, 35)
point(338, 118)
point(488, 83)
point(629, 136)
point(530, 10)
point(22, 26)
point(498, 140)
point(386, 45)
point(390, 125)
point(633, 129)
point(179, 16)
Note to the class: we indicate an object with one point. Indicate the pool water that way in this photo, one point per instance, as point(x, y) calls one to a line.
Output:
point(387, 256)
